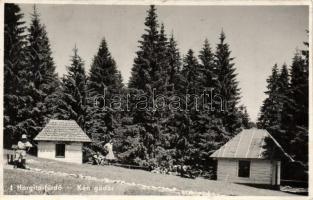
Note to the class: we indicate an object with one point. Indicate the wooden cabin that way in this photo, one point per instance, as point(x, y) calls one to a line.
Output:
point(62, 140)
point(243, 159)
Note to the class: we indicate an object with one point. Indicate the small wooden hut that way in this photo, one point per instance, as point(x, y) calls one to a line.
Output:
point(244, 159)
point(62, 140)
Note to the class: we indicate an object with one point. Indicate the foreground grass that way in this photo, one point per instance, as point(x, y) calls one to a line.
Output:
point(39, 184)
point(132, 176)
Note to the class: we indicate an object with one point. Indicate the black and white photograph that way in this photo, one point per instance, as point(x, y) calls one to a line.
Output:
point(156, 99)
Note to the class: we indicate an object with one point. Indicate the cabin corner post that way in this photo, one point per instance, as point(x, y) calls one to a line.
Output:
point(273, 181)
point(278, 172)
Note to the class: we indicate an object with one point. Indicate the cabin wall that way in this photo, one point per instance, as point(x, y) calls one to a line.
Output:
point(261, 171)
point(73, 151)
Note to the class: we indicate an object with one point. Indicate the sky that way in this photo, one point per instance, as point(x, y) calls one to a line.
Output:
point(259, 36)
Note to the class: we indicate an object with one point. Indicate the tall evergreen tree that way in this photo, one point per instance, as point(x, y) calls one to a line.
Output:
point(174, 62)
point(14, 72)
point(283, 90)
point(148, 78)
point(299, 88)
point(72, 102)
point(160, 79)
point(14, 43)
point(278, 85)
point(207, 65)
point(227, 86)
point(39, 80)
point(104, 82)
point(205, 131)
point(191, 73)
point(145, 64)
point(269, 117)
point(103, 72)
point(42, 78)
point(184, 119)
point(169, 125)
point(295, 119)
point(42, 69)
point(278, 113)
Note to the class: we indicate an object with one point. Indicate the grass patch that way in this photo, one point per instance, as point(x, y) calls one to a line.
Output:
point(21, 182)
point(130, 176)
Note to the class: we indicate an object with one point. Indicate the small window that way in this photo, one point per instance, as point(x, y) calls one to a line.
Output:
point(244, 169)
point(60, 150)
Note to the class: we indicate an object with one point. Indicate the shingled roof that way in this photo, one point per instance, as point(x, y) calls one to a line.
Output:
point(62, 130)
point(247, 144)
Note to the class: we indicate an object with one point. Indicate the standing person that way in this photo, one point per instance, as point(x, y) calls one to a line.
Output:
point(109, 147)
point(22, 146)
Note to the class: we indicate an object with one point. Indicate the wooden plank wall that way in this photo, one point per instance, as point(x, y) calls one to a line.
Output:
point(260, 171)
point(73, 151)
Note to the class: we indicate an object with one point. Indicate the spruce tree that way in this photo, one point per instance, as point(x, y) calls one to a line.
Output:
point(104, 82)
point(185, 130)
point(191, 73)
point(72, 102)
point(149, 77)
point(14, 72)
point(227, 86)
point(167, 155)
point(14, 43)
point(269, 116)
point(299, 88)
point(283, 90)
point(38, 80)
point(42, 78)
point(205, 131)
point(181, 121)
point(207, 65)
point(103, 73)
point(274, 111)
point(42, 69)
point(145, 64)
point(160, 78)
point(295, 120)
point(174, 62)
point(283, 82)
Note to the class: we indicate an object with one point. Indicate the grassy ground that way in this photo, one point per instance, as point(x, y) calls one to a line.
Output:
point(13, 177)
point(39, 184)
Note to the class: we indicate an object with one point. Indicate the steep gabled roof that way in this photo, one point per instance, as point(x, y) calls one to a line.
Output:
point(62, 130)
point(247, 144)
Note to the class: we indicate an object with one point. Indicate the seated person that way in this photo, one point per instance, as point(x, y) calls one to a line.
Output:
point(20, 155)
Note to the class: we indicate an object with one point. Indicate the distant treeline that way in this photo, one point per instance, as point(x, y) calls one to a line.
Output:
point(33, 94)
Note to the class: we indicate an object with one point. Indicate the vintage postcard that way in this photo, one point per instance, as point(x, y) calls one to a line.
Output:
point(157, 98)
